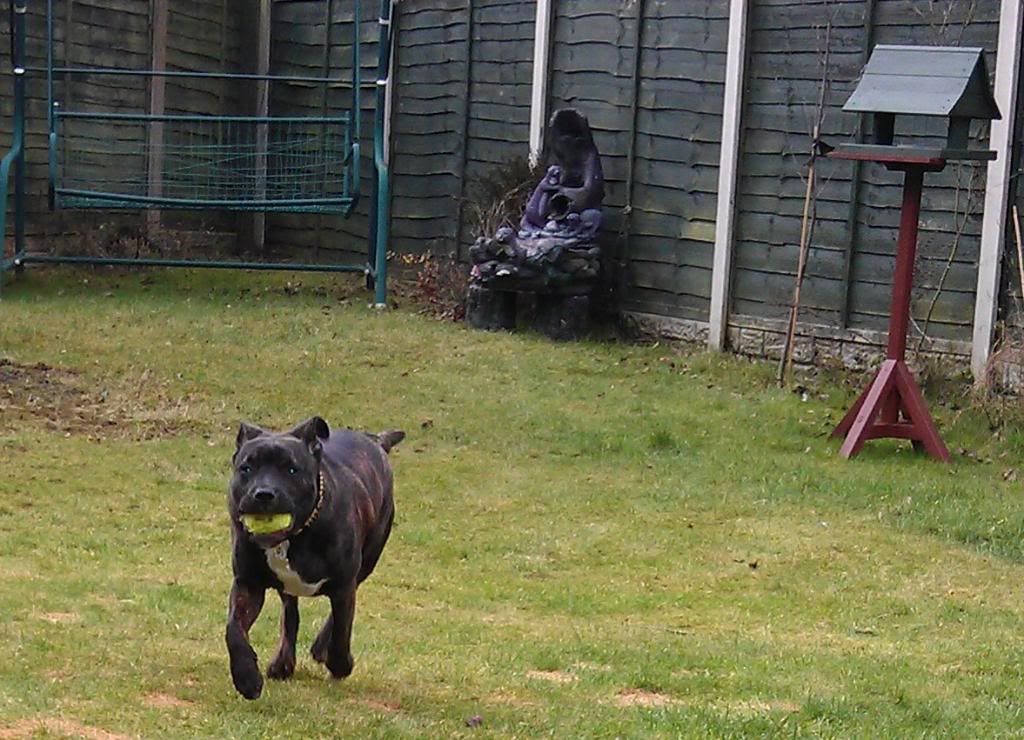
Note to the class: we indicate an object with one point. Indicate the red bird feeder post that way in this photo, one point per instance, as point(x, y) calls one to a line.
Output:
point(923, 81)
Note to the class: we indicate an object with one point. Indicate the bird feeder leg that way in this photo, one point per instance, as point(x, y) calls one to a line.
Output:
point(892, 405)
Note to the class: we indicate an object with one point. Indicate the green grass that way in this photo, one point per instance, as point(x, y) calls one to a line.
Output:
point(593, 539)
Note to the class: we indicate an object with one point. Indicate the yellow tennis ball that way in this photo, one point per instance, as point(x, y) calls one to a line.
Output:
point(266, 523)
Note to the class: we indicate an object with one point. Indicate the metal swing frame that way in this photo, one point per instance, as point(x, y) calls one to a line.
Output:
point(228, 163)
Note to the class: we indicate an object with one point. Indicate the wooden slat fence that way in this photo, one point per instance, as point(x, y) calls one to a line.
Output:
point(649, 76)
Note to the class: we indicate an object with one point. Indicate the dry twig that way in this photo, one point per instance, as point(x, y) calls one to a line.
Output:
point(970, 210)
point(807, 222)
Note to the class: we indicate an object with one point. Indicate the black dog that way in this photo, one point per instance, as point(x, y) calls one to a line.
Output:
point(310, 510)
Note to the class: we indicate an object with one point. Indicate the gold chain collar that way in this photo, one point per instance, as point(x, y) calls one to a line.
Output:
point(319, 504)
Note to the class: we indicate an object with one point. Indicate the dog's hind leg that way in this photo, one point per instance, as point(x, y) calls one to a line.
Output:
point(283, 664)
point(374, 546)
point(333, 646)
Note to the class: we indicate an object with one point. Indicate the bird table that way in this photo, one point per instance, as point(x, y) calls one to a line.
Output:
point(892, 404)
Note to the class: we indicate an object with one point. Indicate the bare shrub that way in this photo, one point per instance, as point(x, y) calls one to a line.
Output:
point(437, 284)
point(498, 197)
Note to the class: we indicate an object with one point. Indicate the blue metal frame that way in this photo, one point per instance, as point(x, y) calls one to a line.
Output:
point(16, 156)
point(376, 266)
point(381, 221)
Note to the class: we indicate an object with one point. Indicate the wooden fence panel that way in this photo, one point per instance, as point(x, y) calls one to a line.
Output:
point(497, 125)
point(677, 149)
point(787, 44)
point(852, 254)
point(428, 128)
point(649, 76)
point(658, 128)
point(951, 210)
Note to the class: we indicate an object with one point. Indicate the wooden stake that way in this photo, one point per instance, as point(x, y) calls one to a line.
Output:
point(807, 223)
point(786, 361)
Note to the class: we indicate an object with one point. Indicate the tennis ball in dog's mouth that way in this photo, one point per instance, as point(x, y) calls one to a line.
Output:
point(266, 523)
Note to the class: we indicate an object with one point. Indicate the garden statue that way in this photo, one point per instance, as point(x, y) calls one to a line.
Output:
point(554, 253)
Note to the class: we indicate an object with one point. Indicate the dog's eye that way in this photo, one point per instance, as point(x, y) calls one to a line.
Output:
point(293, 470)
point(245, 469)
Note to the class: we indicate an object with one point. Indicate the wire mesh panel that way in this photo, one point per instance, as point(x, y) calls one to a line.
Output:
point(109, 160)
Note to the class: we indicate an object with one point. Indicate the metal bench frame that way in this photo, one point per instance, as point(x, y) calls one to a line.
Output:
point(260, 187)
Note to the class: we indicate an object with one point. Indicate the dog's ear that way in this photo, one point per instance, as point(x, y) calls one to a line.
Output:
point(245, 433)
point(312, 431)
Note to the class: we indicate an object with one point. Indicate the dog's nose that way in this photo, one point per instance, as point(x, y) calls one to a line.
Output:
point(264, 495)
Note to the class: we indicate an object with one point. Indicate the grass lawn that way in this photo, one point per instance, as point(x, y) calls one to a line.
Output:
point(593, 539)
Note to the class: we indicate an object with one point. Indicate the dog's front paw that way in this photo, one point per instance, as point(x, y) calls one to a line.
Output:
point(281, 667)
point(340, 666)
point(248, 681)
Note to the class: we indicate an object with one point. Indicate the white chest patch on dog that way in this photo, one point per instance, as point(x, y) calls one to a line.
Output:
point(277, 559)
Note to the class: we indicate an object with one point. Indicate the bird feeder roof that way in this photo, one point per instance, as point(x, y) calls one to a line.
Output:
point(946, 81)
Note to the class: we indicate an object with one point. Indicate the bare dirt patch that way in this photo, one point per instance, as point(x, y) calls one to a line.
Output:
point(752, 707)
point(60, 617)
point(510, 699)
point(159, 700)
point(37, 391)
point(597, 667)
point(552, 676)
point(744, 707)
point(58, 726)
point(381, 705)
point(641, 698)
point(62, 401)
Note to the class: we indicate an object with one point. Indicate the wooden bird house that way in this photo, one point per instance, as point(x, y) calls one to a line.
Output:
point(934, 81)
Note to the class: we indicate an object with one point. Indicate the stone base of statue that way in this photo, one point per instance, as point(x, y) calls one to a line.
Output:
point(562, 317)
point(557, 268)
point(490, 310)
point(559, 316)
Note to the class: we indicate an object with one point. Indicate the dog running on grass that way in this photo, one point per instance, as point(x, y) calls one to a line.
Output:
point(311, 510)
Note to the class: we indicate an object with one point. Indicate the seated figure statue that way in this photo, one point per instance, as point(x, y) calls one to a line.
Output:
point(554, 252)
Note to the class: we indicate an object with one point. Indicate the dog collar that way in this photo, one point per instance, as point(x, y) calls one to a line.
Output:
point(319, 503)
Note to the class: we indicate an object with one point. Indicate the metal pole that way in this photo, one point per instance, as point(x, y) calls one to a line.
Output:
point(371, 236)
point(187, 74)
point(355, 128)
point(15, 157)
point(48, 259)
point(325, 69)
point(383, 193)
point(49, 64)
point(356, 69)
point(51, 158)
point(20, 10)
